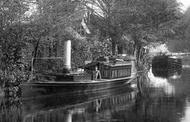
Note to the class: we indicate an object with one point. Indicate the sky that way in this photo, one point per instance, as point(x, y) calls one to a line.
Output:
point(185, 4)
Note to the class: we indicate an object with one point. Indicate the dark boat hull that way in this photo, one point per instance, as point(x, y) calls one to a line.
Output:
point(166, 62)
point(34, 90)
point(166, 66)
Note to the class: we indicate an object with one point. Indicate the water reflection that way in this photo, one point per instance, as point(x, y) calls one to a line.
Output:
point(159, 102)
point(160, 82)
point(10, 110)
point(95, 110)
point(186, 117)
point(158, 99)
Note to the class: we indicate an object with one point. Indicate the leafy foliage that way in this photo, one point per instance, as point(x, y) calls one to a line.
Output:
point(89, 50)
point(11, 40)
point(144, 21)
point(181, 40)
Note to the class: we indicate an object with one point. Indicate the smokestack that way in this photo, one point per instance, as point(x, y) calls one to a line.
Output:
point(67, 54)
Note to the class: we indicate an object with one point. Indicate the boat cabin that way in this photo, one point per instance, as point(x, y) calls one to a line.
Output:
point(109, 68)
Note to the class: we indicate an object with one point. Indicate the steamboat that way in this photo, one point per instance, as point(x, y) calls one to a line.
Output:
point(53, 75)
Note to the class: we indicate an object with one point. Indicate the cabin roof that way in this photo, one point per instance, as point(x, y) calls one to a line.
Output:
point(110, 64)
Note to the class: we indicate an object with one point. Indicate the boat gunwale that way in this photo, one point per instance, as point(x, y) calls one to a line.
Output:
point(79, 82)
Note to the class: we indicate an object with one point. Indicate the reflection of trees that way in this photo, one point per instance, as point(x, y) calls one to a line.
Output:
point(93, 110)
point(182, 85)
point(159, 109)
point(10, 110)
point(10, 104)
point(142, 84)
point(154, 105)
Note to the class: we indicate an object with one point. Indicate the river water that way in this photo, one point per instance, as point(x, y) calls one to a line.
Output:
point(162, 95)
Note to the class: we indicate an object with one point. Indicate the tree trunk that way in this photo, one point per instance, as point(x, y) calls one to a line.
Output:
point(114, 48)
point(137, 48)
point(114, 45)
point(36, 50)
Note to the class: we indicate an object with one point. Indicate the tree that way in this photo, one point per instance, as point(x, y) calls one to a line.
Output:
point(11, 39)
point(53, 22)
point(103, 17)
point(155, 24)
point(144, 21)
point(181, 40)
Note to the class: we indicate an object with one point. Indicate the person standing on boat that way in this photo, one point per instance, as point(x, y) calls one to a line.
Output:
point(97, 73)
